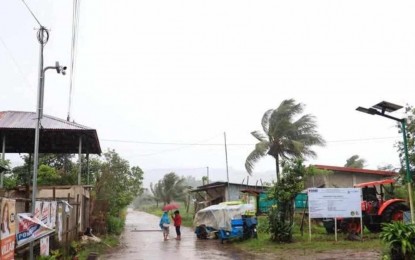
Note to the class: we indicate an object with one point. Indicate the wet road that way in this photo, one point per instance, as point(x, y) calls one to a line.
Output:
point(142, 239)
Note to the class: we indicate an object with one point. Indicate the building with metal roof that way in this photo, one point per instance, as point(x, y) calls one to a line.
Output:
point(17, 130)
point(345, 177)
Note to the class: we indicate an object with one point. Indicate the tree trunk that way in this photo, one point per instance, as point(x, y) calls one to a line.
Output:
point(277, 165)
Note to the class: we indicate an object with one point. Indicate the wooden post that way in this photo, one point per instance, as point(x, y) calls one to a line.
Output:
point(77, 216)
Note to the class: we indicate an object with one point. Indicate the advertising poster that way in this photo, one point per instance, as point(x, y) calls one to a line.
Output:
point(53, 211)
point(46, 213)
point(30, 229)
point(44, 246)
point(8, 226)
point(38, 210)
point(45, 217)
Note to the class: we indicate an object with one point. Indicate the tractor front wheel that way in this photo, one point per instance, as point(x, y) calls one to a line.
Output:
point(372, 223)
point(394, 212)
point(351, 226)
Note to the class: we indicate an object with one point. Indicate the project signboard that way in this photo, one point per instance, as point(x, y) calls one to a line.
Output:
point(334, 202)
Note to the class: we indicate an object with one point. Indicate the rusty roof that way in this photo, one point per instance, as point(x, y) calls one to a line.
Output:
point(355, 170)
point(56, 135)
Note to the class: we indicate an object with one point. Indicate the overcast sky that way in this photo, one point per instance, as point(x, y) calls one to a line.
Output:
point(187, 71)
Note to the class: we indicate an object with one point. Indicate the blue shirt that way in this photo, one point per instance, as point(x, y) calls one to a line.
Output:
point(164, 220)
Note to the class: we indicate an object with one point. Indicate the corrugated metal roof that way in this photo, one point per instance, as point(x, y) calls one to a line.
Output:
point(355, 170)
point(56, 135)
point(27, 120)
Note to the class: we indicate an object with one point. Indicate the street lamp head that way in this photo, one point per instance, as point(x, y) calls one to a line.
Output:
point(385, 106)
point(369, 111)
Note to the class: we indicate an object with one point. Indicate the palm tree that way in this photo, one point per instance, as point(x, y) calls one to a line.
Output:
point(282, 137)
point(168, 189)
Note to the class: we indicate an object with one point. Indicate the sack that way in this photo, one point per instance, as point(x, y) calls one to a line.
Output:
point(166, 225)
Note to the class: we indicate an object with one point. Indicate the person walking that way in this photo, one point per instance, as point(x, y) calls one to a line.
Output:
point(164, 225)
point(177, 219)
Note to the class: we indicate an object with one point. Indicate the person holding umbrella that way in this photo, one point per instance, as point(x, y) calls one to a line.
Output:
point(164, 225)
point(177, 219)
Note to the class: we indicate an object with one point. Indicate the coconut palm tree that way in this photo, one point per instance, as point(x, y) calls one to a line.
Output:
point(285, 136)
point(168, 189)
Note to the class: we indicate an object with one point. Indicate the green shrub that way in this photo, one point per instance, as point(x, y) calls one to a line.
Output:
point(401, 239)
point(263, 225)
point(115, 225)
point(280, 230)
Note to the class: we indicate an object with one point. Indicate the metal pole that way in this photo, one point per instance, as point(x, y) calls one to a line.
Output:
point(207, 168)
point(80, 160)
point(3, 152)
point(408, 173)
point(39, 113)
point(227, 171)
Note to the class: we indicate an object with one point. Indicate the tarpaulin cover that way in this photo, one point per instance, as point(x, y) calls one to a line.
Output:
point(220, 216)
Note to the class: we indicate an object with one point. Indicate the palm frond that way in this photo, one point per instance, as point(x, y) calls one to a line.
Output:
point(259, 136)
point(260, 151)
point(265, 120)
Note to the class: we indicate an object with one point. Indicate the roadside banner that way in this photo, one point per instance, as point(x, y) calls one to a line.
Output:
point(46, 213)
point(38, 210)
point(8, 227)
point(44, 246)
point(30, 229)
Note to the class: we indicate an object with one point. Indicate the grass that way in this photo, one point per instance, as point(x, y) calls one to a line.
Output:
point(107, 243)
point(320, 240)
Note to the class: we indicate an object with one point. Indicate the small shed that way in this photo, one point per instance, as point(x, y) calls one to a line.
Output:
point(217, 192)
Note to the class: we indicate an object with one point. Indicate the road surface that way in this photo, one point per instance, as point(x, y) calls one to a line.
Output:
point(142, 239)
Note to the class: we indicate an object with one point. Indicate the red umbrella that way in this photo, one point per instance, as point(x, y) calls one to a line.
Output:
point(171, 206)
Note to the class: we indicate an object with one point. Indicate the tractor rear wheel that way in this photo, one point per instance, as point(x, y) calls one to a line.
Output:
point(394, 212)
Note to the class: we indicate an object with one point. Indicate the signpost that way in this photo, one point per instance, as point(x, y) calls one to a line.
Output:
point(334, 203)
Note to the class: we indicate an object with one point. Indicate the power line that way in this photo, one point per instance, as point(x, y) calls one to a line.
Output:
point(75, 23)
point(32, 13)
point(233, 144)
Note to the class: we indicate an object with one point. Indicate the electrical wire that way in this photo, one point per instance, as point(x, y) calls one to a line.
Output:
point(233, 144)
point(75, 23)
point(32, 13)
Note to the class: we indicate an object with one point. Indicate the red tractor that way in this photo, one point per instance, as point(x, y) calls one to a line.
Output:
point(377, 208)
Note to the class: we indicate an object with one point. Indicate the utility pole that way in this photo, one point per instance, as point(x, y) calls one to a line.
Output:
point(227, 171)
point(207, 174)
point(39, 113)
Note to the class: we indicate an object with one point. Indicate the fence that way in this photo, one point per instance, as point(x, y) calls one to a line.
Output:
point(73, 222)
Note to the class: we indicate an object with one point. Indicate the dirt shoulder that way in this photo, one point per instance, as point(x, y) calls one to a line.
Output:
point(326, 255)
